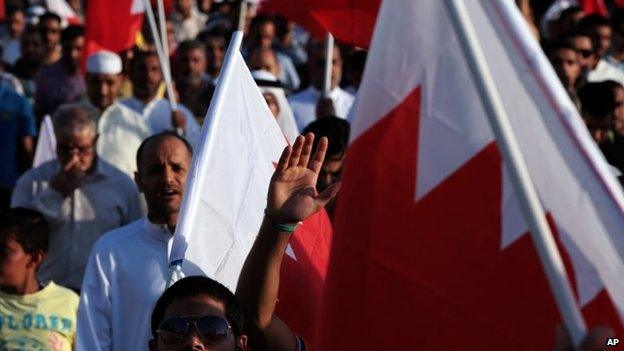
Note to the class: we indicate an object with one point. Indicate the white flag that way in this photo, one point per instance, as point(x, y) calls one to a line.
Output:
point(46, 144)
point(225, 194)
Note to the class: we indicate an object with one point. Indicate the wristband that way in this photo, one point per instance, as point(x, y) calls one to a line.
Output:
point(281, 227)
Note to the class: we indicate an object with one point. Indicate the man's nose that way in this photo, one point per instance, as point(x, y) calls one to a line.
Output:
point(193, 342)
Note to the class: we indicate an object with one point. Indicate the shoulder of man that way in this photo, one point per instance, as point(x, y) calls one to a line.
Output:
point(116, 238)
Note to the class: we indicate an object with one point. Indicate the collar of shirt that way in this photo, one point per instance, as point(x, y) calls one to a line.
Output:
point(158, 232)
point(101, 170)
point(332, 94)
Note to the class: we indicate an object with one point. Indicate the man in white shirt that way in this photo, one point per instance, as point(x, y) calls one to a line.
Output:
point(128, 267)
point(304, 103)
point(146, 76)
point(121, 130)
point(81, 196)
point(187, 20)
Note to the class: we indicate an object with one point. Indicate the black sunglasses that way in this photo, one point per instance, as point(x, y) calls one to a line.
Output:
point(212, 329)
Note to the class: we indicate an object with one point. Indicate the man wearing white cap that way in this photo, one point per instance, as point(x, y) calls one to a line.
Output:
point(121, 130)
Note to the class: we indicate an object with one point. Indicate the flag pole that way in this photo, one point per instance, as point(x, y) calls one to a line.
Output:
point(242, 14)
point(191, 195)
point(329, 47)
point(519, 174)
point(164, 60)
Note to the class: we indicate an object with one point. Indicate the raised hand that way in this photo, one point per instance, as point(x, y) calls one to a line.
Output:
point(292, 192)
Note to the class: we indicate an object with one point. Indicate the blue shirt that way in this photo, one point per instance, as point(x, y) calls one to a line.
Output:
point(16, 122)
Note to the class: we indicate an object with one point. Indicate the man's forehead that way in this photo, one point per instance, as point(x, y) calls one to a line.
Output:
point(168, 146)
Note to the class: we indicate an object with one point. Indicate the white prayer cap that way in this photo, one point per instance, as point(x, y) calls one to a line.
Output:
point(104, 62)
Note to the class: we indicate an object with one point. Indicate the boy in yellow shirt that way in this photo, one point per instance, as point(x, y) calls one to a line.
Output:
point(32, 316)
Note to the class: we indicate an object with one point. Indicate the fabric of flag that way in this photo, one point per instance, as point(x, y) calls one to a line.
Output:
point(431, 250)
point(112, 24)
point(226, 193)
point(46, 143)
point(349, 21)
point(62, 8)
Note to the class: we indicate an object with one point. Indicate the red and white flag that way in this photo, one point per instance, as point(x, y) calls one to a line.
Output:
point(431, 250)
point(112, 24)
point(349, 21)
point(225, 197)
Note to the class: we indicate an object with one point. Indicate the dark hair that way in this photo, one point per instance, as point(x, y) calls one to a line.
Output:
point(195, 286)
point(597, 99)
point(577, 32)
point(550, 48)
point(188, 45)
point(50, 16)
point(570, 11)
point(72, 32)
point(357, 60)
point(260, 20)
point(140, 56)
point(28, 227)
point(156, 137)
point(592, 21)
point(337, 130)
point(14, 8)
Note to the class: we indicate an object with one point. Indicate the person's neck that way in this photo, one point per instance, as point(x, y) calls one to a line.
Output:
point(146, 99)
point(170, 220)
point(30, 286)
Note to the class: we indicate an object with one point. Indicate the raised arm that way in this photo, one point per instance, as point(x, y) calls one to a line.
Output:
point(292, 198)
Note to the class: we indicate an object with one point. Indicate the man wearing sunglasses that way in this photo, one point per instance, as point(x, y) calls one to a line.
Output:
point(197, 313)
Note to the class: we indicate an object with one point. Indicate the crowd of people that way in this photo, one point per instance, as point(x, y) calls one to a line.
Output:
point(84, 236)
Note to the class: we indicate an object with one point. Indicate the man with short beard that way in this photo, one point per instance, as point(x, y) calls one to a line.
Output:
point(128, 268)
point(194, 85)
point(146, 77)
point(121, 129)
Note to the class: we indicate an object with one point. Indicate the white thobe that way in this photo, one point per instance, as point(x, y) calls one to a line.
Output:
point(121, 132)
point(605, 71)
point(107, 199)
point(157, 114)
point(126, 274)
point(303, 105)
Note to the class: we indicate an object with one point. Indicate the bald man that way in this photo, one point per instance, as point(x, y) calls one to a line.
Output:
point(130, 264)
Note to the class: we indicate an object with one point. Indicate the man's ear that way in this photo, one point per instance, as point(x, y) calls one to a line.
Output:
point(241, 343)
point(35, 259)
point(153, 344)
point(137, 180)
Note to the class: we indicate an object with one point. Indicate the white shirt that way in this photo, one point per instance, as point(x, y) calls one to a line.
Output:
point(107, 199)
point(121, 132)
point(605, 71)
point(126, 274)
point(303, 105)
point(157, 114)
point(188, 28)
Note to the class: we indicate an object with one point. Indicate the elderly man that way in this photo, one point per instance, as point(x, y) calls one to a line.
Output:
point(192, 81)
point(130, 264)
point(146, 76)
point(81, 196)
point(121, 129)
point(304, 104)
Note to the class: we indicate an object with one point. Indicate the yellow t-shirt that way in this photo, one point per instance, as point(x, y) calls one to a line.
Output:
point(45, 320)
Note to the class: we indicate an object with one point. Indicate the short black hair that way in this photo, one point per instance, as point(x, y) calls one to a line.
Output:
point(14, 8)
point(592, 21)
point(336, 129)
point(188, 45)
point(195, 286)
point(140, 56)
point(158, 136)
point(357, 60)
point(72, 32)
point(50, 16)
point(597, 99)
point(551, 47)
point(28, 227)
